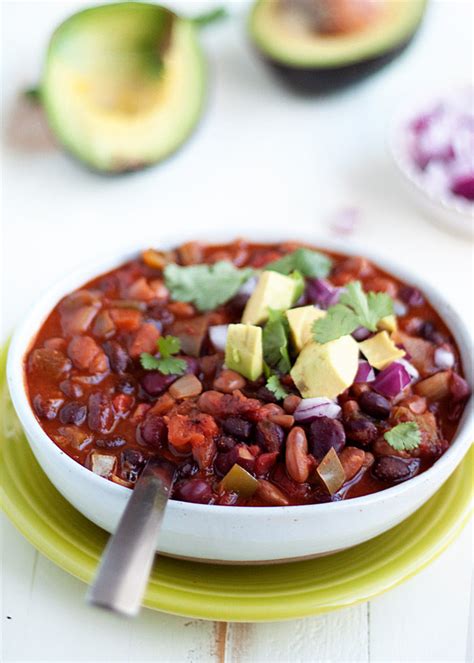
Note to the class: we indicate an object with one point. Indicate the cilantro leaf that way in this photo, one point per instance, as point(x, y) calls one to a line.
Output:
point(275, 341)
point(338, 321)
point(404, 437)
point(310, 263)
point(355, 309)
point(165, 363)
point(275, 386)
point(205, 286)
point(368, 308)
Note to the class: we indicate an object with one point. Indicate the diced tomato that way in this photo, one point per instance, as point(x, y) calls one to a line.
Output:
point(144, 340)
point(190, 431)
point(126, 319)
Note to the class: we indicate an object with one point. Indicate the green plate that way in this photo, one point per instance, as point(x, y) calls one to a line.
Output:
point(230, 593)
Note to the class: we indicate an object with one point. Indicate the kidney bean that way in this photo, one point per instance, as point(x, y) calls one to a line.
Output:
point(270, 436)
point(459, 388)
point(411, 296)
point(153, 431)
point(270, 410)
point(325, 433)
point(264, 463)
point(71, 389)
point(350, 407)
point(238, 427)
point(296, 456)
point(375, 405)
point(239, 454)
point(228, 381)
point(352, 459)
point(118, 357)
point(47, 408)
point(194, 490)
point(360, 429)
point(225, 443)
point(395, 469)
point(126, 385)
point(73, 413)
point(291, 402)
point(270, 494)
point(155, 383)
point(101, 416)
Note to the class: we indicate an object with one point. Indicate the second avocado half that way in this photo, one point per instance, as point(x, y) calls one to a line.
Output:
point(123, 84)
point(321, 45)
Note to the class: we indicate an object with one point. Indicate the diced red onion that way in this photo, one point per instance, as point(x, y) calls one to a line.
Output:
point(463, 186)
point(322, 293)
point(410, 369)
point(443, 358)
point(218, 336)
point(392, 380)
point(361, 333)
point(311, 408)
point(365, 372)
point(399, 308)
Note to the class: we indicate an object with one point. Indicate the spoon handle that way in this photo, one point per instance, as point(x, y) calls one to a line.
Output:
point(128, 557)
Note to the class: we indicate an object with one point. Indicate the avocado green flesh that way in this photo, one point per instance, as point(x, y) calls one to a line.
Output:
point(392, 29)
point(123, 85)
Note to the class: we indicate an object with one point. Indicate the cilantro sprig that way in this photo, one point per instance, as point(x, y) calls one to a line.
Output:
point(165, 363)
point(275, 341)
point(205, 286)
point(306, 261)
point(275, 386)
point(404, 437)
point(355, 309)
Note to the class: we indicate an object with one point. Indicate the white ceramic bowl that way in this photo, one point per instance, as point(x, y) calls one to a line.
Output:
point(235, 534)
point(452, 212)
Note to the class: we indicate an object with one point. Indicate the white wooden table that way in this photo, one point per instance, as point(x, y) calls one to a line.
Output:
point(260, 156)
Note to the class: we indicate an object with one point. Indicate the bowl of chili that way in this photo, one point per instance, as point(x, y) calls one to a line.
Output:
point(297, 390)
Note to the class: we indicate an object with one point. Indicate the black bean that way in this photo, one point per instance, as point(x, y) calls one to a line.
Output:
point(71, 389)
point(325, 433)
point(126, 385)
point(375, 405)
point(131, 463)
point(47, 408)
point(430, 333)
point(270, 436)
point(238, 427)
point(411, 296)
point(187, 469)
point(73, 413)
point(360, 429)
point(110, 443)
point(225, 443)
point(101, 417)
point(395, 469)
point(266, 395)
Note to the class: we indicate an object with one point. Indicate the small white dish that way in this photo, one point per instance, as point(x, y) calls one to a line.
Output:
point(452, 212)
point(237, 534)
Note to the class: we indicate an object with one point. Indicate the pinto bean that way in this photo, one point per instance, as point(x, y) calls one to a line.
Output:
point(270, 494)
point(296, 456)
point(283, 420)
point(291, 402)
point(228, 381)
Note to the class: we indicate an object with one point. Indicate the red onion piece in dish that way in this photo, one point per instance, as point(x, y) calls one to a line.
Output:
point(464, 186)
point(410, 369)
point(361, 334)
point(443, 358)
point(218, 336)
point(248, 287)
point(311, 408)
point(365, 372)
point(322, 293)
point(392, 380)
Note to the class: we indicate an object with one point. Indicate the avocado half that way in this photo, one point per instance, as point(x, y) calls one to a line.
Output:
point(310, 61)
point(123, 84)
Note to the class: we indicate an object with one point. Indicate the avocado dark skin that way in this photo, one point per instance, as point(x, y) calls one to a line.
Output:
point(312, 81)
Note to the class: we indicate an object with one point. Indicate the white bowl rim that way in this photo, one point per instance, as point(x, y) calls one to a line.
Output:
point(397, 145)
point(22, 340)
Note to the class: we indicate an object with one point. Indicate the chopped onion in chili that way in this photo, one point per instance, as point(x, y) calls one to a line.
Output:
point(392, 380)
point(365, 372)
point(322, 293)
point(218, 336)
point(443, 358)
point(311, 408)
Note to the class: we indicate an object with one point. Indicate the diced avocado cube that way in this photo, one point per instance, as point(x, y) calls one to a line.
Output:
point(380, 351)
point(326, 369)
point(389, 323)
point(273, 290)
point(301, 322)
point(244, 350)
point(238, 480)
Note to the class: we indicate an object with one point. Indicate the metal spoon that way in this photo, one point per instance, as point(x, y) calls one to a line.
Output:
point(128, 557)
